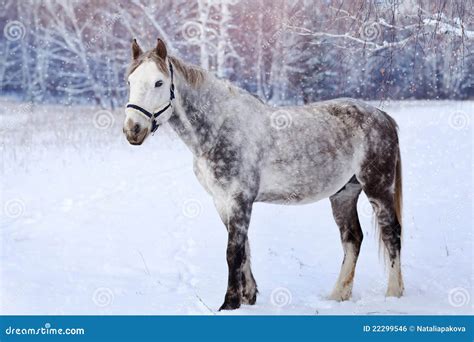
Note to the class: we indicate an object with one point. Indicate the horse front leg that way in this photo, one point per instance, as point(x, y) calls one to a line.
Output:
point(241, 286)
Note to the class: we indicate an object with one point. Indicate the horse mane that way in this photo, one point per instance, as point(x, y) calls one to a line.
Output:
point(192, 74)
point(195, 75)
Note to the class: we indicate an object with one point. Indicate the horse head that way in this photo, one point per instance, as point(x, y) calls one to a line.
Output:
point(151, 88)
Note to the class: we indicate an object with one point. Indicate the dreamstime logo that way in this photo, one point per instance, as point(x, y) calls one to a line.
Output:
point(192, 208)
point(14, 30)
point(370, 31)
point(277, 35)
point(201, 110)
point(20, 119)
point(368, 122)
point(25, 108)
point(103, 119)
point(458, 297)
point(103, 297)
point(14, 208)
point(293, 197)
point(192, 31)
point(281, 297)
point(459, 120)
point(281, 119)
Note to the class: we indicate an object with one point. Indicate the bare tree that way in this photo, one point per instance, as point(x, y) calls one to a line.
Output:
point(284, 52)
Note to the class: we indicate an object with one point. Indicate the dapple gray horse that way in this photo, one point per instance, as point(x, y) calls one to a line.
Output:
point(246, 151)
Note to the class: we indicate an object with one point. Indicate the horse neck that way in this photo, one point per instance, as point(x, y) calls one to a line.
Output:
point(196, 117)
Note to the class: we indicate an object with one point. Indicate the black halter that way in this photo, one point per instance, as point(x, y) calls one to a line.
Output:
point(154, 116)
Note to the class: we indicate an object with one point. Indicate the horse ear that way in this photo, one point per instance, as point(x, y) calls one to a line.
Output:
point(161, 49)
point(136, 50)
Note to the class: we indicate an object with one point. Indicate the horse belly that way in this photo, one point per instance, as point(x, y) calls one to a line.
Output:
point(305, 181)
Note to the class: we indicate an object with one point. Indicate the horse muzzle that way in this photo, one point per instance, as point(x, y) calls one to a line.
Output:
point(136, 138)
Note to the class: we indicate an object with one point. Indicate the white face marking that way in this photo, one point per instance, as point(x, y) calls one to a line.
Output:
point(145, 93)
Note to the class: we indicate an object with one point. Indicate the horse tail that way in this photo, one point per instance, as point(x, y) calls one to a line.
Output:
point(398, 188)
point(398, 192)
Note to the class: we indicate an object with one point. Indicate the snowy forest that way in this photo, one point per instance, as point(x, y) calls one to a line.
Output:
point(286, 52)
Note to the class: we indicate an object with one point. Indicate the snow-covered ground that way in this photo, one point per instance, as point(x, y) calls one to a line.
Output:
point(92, 225)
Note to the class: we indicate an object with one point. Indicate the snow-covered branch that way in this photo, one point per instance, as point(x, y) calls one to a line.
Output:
point(290, 52)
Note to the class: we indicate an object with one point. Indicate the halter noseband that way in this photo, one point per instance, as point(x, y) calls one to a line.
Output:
point(154, 116)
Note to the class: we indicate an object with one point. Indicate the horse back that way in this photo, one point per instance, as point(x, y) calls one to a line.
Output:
point(322, 147)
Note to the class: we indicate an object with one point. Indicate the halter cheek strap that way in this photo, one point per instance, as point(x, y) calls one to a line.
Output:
point(155, 115)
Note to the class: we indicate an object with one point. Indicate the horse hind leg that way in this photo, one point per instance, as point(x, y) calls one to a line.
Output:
point(344, 208)
point(390, 235)
point(381, 182)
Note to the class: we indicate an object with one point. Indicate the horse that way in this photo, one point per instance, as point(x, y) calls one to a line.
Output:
point(246, 151)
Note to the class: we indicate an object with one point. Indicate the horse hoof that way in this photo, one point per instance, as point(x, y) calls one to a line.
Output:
point(250, 296)
point(340, 296)
point(391, 292)
point(229, 306)
point(231, 303)
point(250, 299)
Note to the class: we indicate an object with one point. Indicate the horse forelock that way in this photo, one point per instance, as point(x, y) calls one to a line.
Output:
point(148, 56)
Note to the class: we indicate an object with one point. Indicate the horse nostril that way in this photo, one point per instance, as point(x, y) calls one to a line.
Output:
point(136, 128)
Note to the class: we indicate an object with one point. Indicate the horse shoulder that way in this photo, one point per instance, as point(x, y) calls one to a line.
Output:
point(228, 169)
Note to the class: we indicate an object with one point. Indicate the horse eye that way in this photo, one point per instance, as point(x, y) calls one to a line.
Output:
point(158, 84)
point(128, 82)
